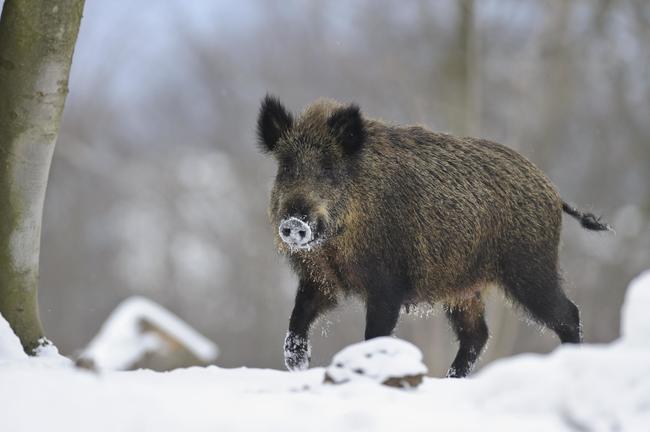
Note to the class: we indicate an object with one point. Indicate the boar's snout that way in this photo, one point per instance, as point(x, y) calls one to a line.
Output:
point(295, 233)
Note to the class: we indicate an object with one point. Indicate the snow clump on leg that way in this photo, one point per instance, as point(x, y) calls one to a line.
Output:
point(297, 352)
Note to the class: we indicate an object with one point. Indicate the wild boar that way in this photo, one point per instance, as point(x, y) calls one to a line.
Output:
point(400, 215)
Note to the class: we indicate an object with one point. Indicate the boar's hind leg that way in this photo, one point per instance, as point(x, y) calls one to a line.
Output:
point(310, 303)
point(468, 321)
point(534, 282)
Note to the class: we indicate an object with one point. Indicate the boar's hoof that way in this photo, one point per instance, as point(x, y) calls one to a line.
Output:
point(297, 352)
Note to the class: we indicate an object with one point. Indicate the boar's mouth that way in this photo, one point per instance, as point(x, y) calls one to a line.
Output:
point(308, 246)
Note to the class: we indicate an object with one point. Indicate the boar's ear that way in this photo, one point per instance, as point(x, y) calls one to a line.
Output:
point(272, 121)
point(347, 125)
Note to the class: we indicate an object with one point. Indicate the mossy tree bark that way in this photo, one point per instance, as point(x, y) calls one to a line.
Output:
point(37, 40)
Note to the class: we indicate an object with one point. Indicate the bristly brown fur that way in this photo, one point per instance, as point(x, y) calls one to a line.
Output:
point(410, 216)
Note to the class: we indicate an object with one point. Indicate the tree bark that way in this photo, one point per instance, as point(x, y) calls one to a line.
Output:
point(37, 41)
point(467, 122)
point(463, 72)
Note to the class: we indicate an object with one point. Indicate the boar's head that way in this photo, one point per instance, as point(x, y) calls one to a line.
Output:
point(317, 156)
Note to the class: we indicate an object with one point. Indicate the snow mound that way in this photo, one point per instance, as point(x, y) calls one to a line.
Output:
point(635, 322)
point(48, 353)
point(385, 360)
point(10, 347)
point(576, 388)
point(127, 335)
point(11, 350)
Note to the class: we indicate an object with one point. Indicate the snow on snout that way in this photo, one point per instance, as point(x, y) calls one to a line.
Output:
point(385, 360)
point(295, 232)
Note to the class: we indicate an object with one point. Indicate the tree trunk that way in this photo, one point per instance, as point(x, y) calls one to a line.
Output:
point(467, 119)
point(462, 71)
point(37, 40)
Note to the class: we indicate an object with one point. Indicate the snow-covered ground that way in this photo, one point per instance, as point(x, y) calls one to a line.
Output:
point(575, 388)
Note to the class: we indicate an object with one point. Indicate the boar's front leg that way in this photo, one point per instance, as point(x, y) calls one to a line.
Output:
point(310, 303)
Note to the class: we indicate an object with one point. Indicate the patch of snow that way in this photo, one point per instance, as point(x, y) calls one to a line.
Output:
point(635, 321)
point(11, 351)
point(377, 359)
point(121, 342)
point(10, 347)
point(575, 388)
point(46, 348)
point(48, 352)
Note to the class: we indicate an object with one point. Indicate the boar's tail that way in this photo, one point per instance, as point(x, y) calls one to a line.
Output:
point(587, 220)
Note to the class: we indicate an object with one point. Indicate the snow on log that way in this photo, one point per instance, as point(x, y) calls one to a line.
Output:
point(635, 322)
point(385, 360)
point(142, 334)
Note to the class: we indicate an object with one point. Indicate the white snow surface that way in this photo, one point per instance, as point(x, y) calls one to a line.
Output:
point(11, 354)
point(635, 321)
point(575, 388)
point(378, 360)
point(120, 342)
point(10, 348)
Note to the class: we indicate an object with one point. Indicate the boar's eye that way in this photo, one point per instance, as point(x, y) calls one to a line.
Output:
point(286, 167)
point(328, 169)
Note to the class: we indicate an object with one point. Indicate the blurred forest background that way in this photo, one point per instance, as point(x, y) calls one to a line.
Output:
point(157, 187)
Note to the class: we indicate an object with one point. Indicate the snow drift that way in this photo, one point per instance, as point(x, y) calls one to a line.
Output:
point(587, 387)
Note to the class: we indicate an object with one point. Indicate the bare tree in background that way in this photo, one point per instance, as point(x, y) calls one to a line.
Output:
point(37, 41)
point(463, 72)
